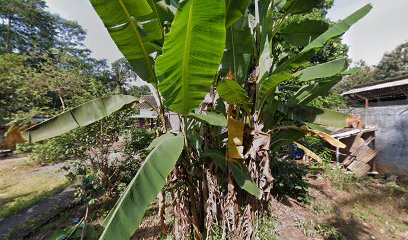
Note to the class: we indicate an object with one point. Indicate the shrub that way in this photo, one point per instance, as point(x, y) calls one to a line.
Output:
point(24, 148)
point(317, 146)
point(111, 154)
point(290, 179)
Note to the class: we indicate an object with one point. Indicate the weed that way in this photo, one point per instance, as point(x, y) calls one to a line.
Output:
point(267, 228)
point(360, 214)
point(307, 226)
point(290, 180)
point(321, 208)
point(341, 179)
point(329, 232)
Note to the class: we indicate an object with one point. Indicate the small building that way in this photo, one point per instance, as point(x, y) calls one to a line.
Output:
point(384, 105)
point(147, 116)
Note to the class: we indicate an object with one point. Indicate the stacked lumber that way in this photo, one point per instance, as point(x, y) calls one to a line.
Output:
point(360, 156)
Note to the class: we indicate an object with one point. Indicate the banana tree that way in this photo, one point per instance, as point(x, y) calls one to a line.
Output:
point(215, 64)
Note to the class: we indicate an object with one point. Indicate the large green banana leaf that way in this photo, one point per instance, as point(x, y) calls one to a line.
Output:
point(135, 27)
point(159, 140)
point(336, 30)
point(164, 10)
point(309, 92)
point(239, 172)
point(128, 212)
point(314, 115)
point(233, 93)
point(192, 52)
point(266, 23)
point(269, 109)
point(286, 137)
point(267, 89)
point(238, 50)
point(323, 70)
point(211, 118)
point(301, 6)
point(80, 116)
point(300, 34)
point(235, 10)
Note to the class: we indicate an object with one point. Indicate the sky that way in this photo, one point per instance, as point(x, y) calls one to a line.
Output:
point(385, 27)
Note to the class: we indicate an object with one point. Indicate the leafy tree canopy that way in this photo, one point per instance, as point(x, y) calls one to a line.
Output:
point(393, 64)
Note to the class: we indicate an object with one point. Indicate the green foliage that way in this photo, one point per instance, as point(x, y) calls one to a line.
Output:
point(26, 26)
point(127, 214)
point(365, 75)
point(290, 179)
point(211, 118)
point(310, 30)
point(122, 74)
point(184, 63)
point(394, 63)
point(267, 228)
point(24, 148)
point(318, 146)
point(55, 150)
point(331, 101)
point(139, 91)
point(79, 117)
point(341, 179)
point(238, 51)
point(107, 159)
point(191, 40)
point(329, 232)
point(233, 93)
point(134, 28)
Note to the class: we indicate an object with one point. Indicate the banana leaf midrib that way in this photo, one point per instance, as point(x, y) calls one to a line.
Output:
point(187, 53)
point(138, 37)
point(157, 16)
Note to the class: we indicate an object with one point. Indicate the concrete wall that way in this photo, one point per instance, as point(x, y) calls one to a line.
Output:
point(391, 137)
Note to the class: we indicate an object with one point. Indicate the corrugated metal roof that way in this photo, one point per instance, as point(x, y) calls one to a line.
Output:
point(377, 86)
point(352, 131)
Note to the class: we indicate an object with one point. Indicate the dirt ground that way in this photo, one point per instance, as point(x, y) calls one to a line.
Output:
point(371, 209)
point(356, 210)
point(364, 209)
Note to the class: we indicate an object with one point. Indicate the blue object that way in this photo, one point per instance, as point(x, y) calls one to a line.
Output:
point(296, 152)
point(76, 220)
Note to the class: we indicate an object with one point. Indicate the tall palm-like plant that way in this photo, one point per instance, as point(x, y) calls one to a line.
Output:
point(204, 55)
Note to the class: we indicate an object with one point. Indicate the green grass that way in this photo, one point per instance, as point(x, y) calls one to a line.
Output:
point(267, 228)
point(22, 185)
point(340, 178)
point(360, 213)
point(329, 232)
point(307, 226)
point(321, 209)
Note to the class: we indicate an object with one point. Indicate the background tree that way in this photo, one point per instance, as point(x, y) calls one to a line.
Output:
point(139, 91)
point(393, 64)
point(122, 74)
point(365, 74)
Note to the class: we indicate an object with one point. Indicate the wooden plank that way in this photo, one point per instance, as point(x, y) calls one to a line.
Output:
point(358, 141)
point(366, 155)
point(359, 168)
